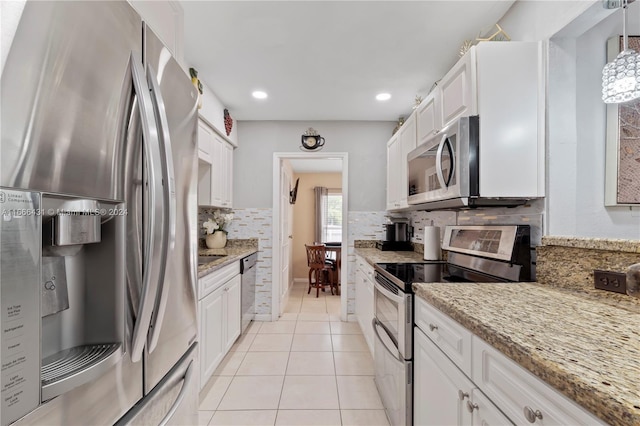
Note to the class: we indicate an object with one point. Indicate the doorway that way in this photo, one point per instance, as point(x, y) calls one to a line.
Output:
point(281, 248)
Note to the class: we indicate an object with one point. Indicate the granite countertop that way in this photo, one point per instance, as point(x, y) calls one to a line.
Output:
point(233, 254)
point(586, 349)
point(373, 256)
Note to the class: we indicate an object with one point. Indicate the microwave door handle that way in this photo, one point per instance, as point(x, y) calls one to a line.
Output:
point(153, 232)
point(452, 161)
point(443, 184)
point(169, 206)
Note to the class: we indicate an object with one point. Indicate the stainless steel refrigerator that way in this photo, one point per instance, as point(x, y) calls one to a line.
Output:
point(98, 175)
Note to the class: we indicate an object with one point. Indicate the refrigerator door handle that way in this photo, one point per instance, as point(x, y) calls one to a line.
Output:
point(188, 376)
point(169, 202)
point(153, 233)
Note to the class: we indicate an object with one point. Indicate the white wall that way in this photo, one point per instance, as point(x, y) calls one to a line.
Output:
point(575, 112)
point(365, 141)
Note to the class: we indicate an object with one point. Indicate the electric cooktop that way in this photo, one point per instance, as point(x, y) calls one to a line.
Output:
point(404, 274)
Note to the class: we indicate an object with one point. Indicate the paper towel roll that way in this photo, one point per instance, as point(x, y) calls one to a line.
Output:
point(432, 249)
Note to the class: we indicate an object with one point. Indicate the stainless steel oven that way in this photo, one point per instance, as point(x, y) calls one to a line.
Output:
point(393, 329)
point(475, 254)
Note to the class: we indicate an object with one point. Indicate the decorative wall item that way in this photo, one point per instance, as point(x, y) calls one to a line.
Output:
point(466, 45)
point(293, 194)
point(496, 33)
point(196, 82)
point(311, 140)
point(400, 123)
point(417, 101)
point(622, 171)
point(228, 122)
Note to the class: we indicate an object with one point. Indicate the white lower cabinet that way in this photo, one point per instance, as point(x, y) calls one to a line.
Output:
point(364, 300)
point(520, 394)
point(490, 390)
point(443, 395)
point(220, 319)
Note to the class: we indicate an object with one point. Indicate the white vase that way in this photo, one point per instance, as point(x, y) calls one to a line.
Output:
point(216, 240)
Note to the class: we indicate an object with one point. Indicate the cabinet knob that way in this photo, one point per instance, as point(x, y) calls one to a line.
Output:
point(531, 415)
point(433, 327)
point(462, 395)
point(471, 406)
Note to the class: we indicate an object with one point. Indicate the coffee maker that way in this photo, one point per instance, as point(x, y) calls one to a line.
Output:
point(397, 235)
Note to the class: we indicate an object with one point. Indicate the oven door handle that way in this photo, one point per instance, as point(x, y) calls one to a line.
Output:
point(375, 323)
point(386, 293)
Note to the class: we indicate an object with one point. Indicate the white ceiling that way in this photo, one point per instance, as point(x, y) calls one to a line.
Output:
point(326, 60)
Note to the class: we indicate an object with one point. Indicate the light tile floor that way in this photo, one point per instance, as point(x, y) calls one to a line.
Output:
point(308, 368)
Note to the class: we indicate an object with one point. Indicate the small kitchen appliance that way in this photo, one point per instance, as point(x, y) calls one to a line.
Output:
point(397, 236)
point(475, 254)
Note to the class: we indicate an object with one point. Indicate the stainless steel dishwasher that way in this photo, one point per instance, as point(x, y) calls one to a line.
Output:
point(248, 288)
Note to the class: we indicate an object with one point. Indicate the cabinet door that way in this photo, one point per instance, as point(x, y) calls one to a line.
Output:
point(393, 172)
point(518, 392)
point(485, 413)
point(408, 140)
point(437, 383)
point(218, 172)
point(233, 311)
point(212, 345)
point(428, 121)
point(369, 312)
point(458, 92)
point(227, 190)
point(205, 136)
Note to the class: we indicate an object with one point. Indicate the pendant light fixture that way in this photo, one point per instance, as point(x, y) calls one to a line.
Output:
point(621, 77)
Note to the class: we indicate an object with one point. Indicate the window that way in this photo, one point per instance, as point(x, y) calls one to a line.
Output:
point(328, 215)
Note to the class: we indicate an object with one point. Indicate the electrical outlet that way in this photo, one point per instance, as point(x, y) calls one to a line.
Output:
point(610, 281)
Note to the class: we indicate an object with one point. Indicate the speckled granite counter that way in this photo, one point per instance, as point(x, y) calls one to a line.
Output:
point(234, 251)
point(373, 256)
point(588, 350)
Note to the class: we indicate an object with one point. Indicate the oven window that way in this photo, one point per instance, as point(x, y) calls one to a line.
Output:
point(386, 312)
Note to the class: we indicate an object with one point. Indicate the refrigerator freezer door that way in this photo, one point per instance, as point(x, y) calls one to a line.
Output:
point(174, 401)
point(174, 323)
point(64, 103)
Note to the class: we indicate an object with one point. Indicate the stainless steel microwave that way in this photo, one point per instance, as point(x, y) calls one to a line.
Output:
point(445, 171)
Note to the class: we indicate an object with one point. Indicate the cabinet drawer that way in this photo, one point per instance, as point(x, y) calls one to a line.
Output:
point(516, 391)
point(452, 338)
point(210, 282)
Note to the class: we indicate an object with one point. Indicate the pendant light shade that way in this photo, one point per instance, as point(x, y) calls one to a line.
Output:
point(621, 77)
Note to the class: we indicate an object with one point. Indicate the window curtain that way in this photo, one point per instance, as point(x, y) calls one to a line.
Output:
point(321, 208)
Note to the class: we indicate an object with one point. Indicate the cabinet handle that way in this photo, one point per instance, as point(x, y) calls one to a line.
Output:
point(462, 395)
point(531, 415)
point(471, 406)
point(433, 327)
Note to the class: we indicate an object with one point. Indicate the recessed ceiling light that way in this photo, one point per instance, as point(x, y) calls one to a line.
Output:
point(383, 96)
point(259, 94)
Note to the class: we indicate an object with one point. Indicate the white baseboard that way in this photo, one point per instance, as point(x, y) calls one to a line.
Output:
point(262, 317)
point(301, 280)
point(352, 318)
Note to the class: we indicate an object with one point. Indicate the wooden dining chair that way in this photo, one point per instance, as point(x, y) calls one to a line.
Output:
point(320, 268)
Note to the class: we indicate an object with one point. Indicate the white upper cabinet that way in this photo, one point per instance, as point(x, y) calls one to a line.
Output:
point(458, 90)
point(400, 144)
point(215, 170)
point(428, 119)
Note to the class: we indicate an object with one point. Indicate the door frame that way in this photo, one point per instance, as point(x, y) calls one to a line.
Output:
point(278, 157)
